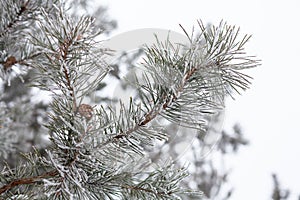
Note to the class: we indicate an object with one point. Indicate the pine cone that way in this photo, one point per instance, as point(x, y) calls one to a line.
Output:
point(10, 61)
point(85, 111)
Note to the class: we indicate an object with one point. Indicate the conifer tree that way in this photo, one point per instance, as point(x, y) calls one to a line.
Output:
point(94, 151)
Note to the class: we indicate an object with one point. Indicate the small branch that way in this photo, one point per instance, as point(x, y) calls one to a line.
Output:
point(34, 179)
point(145, 190)
point(63, 50)
point(11, 61)
point(27, 181)
point(17, 18)
point(153, 113)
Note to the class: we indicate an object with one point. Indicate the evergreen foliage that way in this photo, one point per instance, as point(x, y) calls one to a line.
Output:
point(98, 152)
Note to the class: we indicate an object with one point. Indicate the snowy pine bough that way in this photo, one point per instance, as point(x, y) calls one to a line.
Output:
point(97, 152)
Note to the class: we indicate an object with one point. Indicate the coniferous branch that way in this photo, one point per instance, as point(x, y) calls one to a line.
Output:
point(93, 148)
point(19, 15)
point(25, 176)
point(68, 45)
point(17, 22)
point(16, 10)
point(67, 75)
point(194, 83)
point(66, 136)
point(18, 18)
point(160, 184)
point(27, 181)
point(124, 132)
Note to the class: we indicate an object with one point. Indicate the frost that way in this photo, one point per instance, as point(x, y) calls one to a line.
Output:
point(48, 183)
point(19, 197)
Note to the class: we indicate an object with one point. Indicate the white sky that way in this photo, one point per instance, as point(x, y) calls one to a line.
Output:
point(269, 111)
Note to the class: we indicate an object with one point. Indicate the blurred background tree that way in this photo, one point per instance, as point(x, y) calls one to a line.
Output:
point(278, 192)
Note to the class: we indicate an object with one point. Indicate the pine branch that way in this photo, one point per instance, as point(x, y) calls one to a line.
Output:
point(94, 150)
point(27, 180)
point(152, 114)
point(135, 188)
point(18, 22)
point(192, 71)
point(18, 17)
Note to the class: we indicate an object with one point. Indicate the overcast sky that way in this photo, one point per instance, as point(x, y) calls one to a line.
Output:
point(269, 111)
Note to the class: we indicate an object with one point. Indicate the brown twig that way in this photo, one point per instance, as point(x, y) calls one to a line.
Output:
point(63, 51)
point(27, 181)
